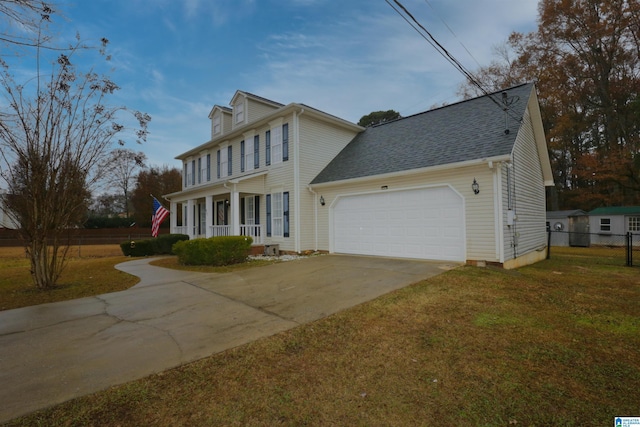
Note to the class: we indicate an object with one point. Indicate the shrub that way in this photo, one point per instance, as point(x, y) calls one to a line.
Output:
point(161, 245)
point(223, 250)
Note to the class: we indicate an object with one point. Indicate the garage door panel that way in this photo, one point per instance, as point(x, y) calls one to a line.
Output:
point(424, 223)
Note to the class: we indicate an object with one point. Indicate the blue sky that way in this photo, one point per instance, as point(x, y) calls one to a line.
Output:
point(175, 59)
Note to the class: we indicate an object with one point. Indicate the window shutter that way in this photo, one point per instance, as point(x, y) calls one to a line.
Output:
point(285, 142)
point(256, 151)
point(193, 172)
point(242, 156)
point(285, 213)
point(267, 148)
point(208, 167)
point(199, 169)
point(230, 161)
point(243, 209)
point(218, 166)
point(268, 215)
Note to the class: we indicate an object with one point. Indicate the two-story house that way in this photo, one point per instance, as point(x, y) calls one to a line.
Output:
point(464, 183)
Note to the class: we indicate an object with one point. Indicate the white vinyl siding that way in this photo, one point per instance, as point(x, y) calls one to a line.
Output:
point(528, 232)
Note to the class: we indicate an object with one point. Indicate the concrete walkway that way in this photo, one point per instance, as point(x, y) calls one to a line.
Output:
point(54, 352)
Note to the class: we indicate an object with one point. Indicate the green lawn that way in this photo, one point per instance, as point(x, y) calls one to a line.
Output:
point(553, 344)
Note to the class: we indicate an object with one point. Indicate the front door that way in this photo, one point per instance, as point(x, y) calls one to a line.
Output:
point(221, 213)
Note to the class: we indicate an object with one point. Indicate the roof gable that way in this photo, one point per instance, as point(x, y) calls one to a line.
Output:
point(468, 130)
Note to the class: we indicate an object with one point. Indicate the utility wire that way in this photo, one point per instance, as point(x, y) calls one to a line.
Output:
point(454, 34)
point(419, 28)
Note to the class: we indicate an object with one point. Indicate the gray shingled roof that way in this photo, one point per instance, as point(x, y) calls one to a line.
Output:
point(468, 130)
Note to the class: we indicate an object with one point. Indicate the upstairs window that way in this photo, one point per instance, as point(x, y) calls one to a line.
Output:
point(185, 173)
point(247, 154)
point(605, 225)
point(276, 145)
point(217, 126)
point(238, 111)
point(224, 162)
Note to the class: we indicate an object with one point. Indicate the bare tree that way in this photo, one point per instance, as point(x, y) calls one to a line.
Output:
point(23, 21)
point(55, 131)
point(120, 170)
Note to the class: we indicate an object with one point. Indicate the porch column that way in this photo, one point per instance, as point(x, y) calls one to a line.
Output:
point(235, 212)
point(208, 208)
point(173, 217)
point(189, 221)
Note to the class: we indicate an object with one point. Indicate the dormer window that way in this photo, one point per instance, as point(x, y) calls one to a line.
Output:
point(238, 111)
point(217, 124)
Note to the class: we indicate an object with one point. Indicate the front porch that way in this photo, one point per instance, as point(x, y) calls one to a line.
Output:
point(232, 213)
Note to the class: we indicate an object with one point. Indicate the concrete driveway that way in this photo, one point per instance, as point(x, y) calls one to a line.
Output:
point(54, 352)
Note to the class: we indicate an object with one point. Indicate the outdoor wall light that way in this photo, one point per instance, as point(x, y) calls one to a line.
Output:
point(322, 200)
point(475, 186)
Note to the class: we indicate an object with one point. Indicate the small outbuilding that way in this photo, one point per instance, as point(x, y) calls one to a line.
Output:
point(569, 228)
point(609, 225)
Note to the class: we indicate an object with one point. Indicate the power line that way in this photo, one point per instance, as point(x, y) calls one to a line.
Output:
point(419, 28)
point(454, 34)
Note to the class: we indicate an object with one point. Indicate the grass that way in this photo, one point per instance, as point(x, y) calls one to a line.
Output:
point(553, 344)
point(89, 272)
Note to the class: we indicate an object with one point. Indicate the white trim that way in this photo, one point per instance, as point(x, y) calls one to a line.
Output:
point(294, 146)
point(390, 175)
point(422, 187)
point(498, 212)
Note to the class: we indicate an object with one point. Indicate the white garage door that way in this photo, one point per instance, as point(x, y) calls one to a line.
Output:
point(420, 223)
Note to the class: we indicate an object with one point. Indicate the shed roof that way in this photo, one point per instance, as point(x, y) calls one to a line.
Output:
point(565, 214)
point(616, 210)
point(468, 130)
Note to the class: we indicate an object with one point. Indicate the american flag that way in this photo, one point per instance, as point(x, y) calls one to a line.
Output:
point(159, 215)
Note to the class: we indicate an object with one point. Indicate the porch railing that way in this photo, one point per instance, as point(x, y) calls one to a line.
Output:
point(255, 231)
point(220, 230)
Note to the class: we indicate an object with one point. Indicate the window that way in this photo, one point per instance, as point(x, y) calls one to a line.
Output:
point(276, 145)
point(605, 224)
point(249, 210)
point(192, 175)
point(224, 162)
point(278, 214)
point(204, 164)
point(239, 113)
point(634, 223)
point(185, 174)
point(246, 155)
point(216, 124)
